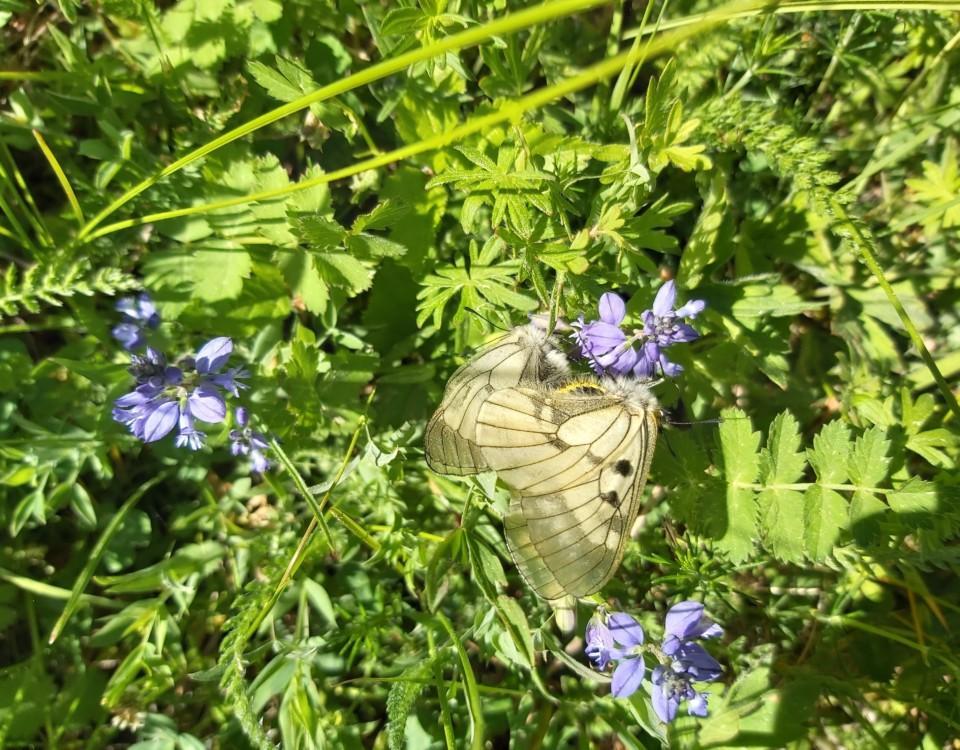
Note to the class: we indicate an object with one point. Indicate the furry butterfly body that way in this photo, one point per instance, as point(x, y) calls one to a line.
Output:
point(575, 458)
point(526, 356)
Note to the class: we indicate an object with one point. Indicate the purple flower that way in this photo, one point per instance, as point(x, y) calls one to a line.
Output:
point(210, 360)
point(166, 397)
point(619, 638)
point(663, 326)
point(603, 342)
point(686, 621)
point(630, 668)
point(599, 648)
point(248, 442)
point(151, 368)
point(610, 350)
point(188, 436)
point(671, 687)
point(137, 314)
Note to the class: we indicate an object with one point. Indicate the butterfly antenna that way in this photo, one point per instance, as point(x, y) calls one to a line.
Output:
point(484, 317)
point(676, 423)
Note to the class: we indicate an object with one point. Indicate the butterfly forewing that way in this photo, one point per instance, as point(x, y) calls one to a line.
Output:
point(519, 358)
point(576, 464)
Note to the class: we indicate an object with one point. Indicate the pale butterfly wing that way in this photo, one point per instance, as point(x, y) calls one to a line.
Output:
point(575, 462)
point(525, 356)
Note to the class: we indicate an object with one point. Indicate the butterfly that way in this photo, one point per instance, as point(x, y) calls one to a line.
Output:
point(575, 458)
point(526, 356)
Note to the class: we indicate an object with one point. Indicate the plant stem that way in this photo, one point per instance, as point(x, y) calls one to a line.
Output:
point(506, 25)
point(509, 111)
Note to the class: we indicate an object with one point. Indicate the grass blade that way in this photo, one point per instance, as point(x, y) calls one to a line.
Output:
point(61, 176)
point(87, 573)
point(509, 111)
point(506, 25)
point(471, 690)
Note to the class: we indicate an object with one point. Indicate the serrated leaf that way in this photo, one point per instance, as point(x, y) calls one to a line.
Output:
point(400, 701)
point(305, 280)
point(916, 496)
point(777, 300)
point(287, 82)
point(782, 523)
point(382, 216)
point(218, 273)
point(831, 449)
point(319, 232)
point(869, 463)
point(782, 461)
point(344, 272)
point(372, 246)
point(701, 250)
point(824, 517)
point(866, 517)
point(936, 446)
point(739, 446)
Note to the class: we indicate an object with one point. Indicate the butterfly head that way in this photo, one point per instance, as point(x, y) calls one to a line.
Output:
point(634, 392)
point(553, 362)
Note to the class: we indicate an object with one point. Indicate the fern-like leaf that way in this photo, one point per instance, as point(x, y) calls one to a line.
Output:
point(32, 289)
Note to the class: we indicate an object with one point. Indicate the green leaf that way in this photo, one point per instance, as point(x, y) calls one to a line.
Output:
point(486, 568)
point(76, 592)
point(824, 516)
point(373, 246)
point(782, 523)
point(866, 518)
point(830, 452)
point(319, 232)
point(701, 251)
point(773, 300)
point(916, 496)
point(741, 465)
point(287, 82)
point(218, 273)
point(868, 464)
point(344, 272)
point(192, 558)
point(212, 273)
point(782, 461)
point(515, 621)
point(470, 689)
point(401, 700)
point(305, 280)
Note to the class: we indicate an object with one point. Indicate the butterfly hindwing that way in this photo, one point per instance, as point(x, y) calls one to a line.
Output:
point(522, 357)
point(575, 462)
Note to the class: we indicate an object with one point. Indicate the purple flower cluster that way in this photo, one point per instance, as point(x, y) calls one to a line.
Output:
point(619, 638)
point(137, 314)
point(178, 396)
point(610, 350)
point(167, 396)
point(247, 442)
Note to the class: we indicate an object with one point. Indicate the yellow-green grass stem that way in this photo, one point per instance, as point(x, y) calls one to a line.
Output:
point(805, 6)
point(293, 565)
point(511, 111)
point(61, 176)
point(10, 173)
point(470, 37)
point(864, 244)
point(76, 592)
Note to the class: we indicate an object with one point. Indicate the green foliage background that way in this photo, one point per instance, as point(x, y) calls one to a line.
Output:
point(794, 166)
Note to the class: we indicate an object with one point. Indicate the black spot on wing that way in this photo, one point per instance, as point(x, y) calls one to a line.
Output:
point(611, 497)
point(623, 467)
